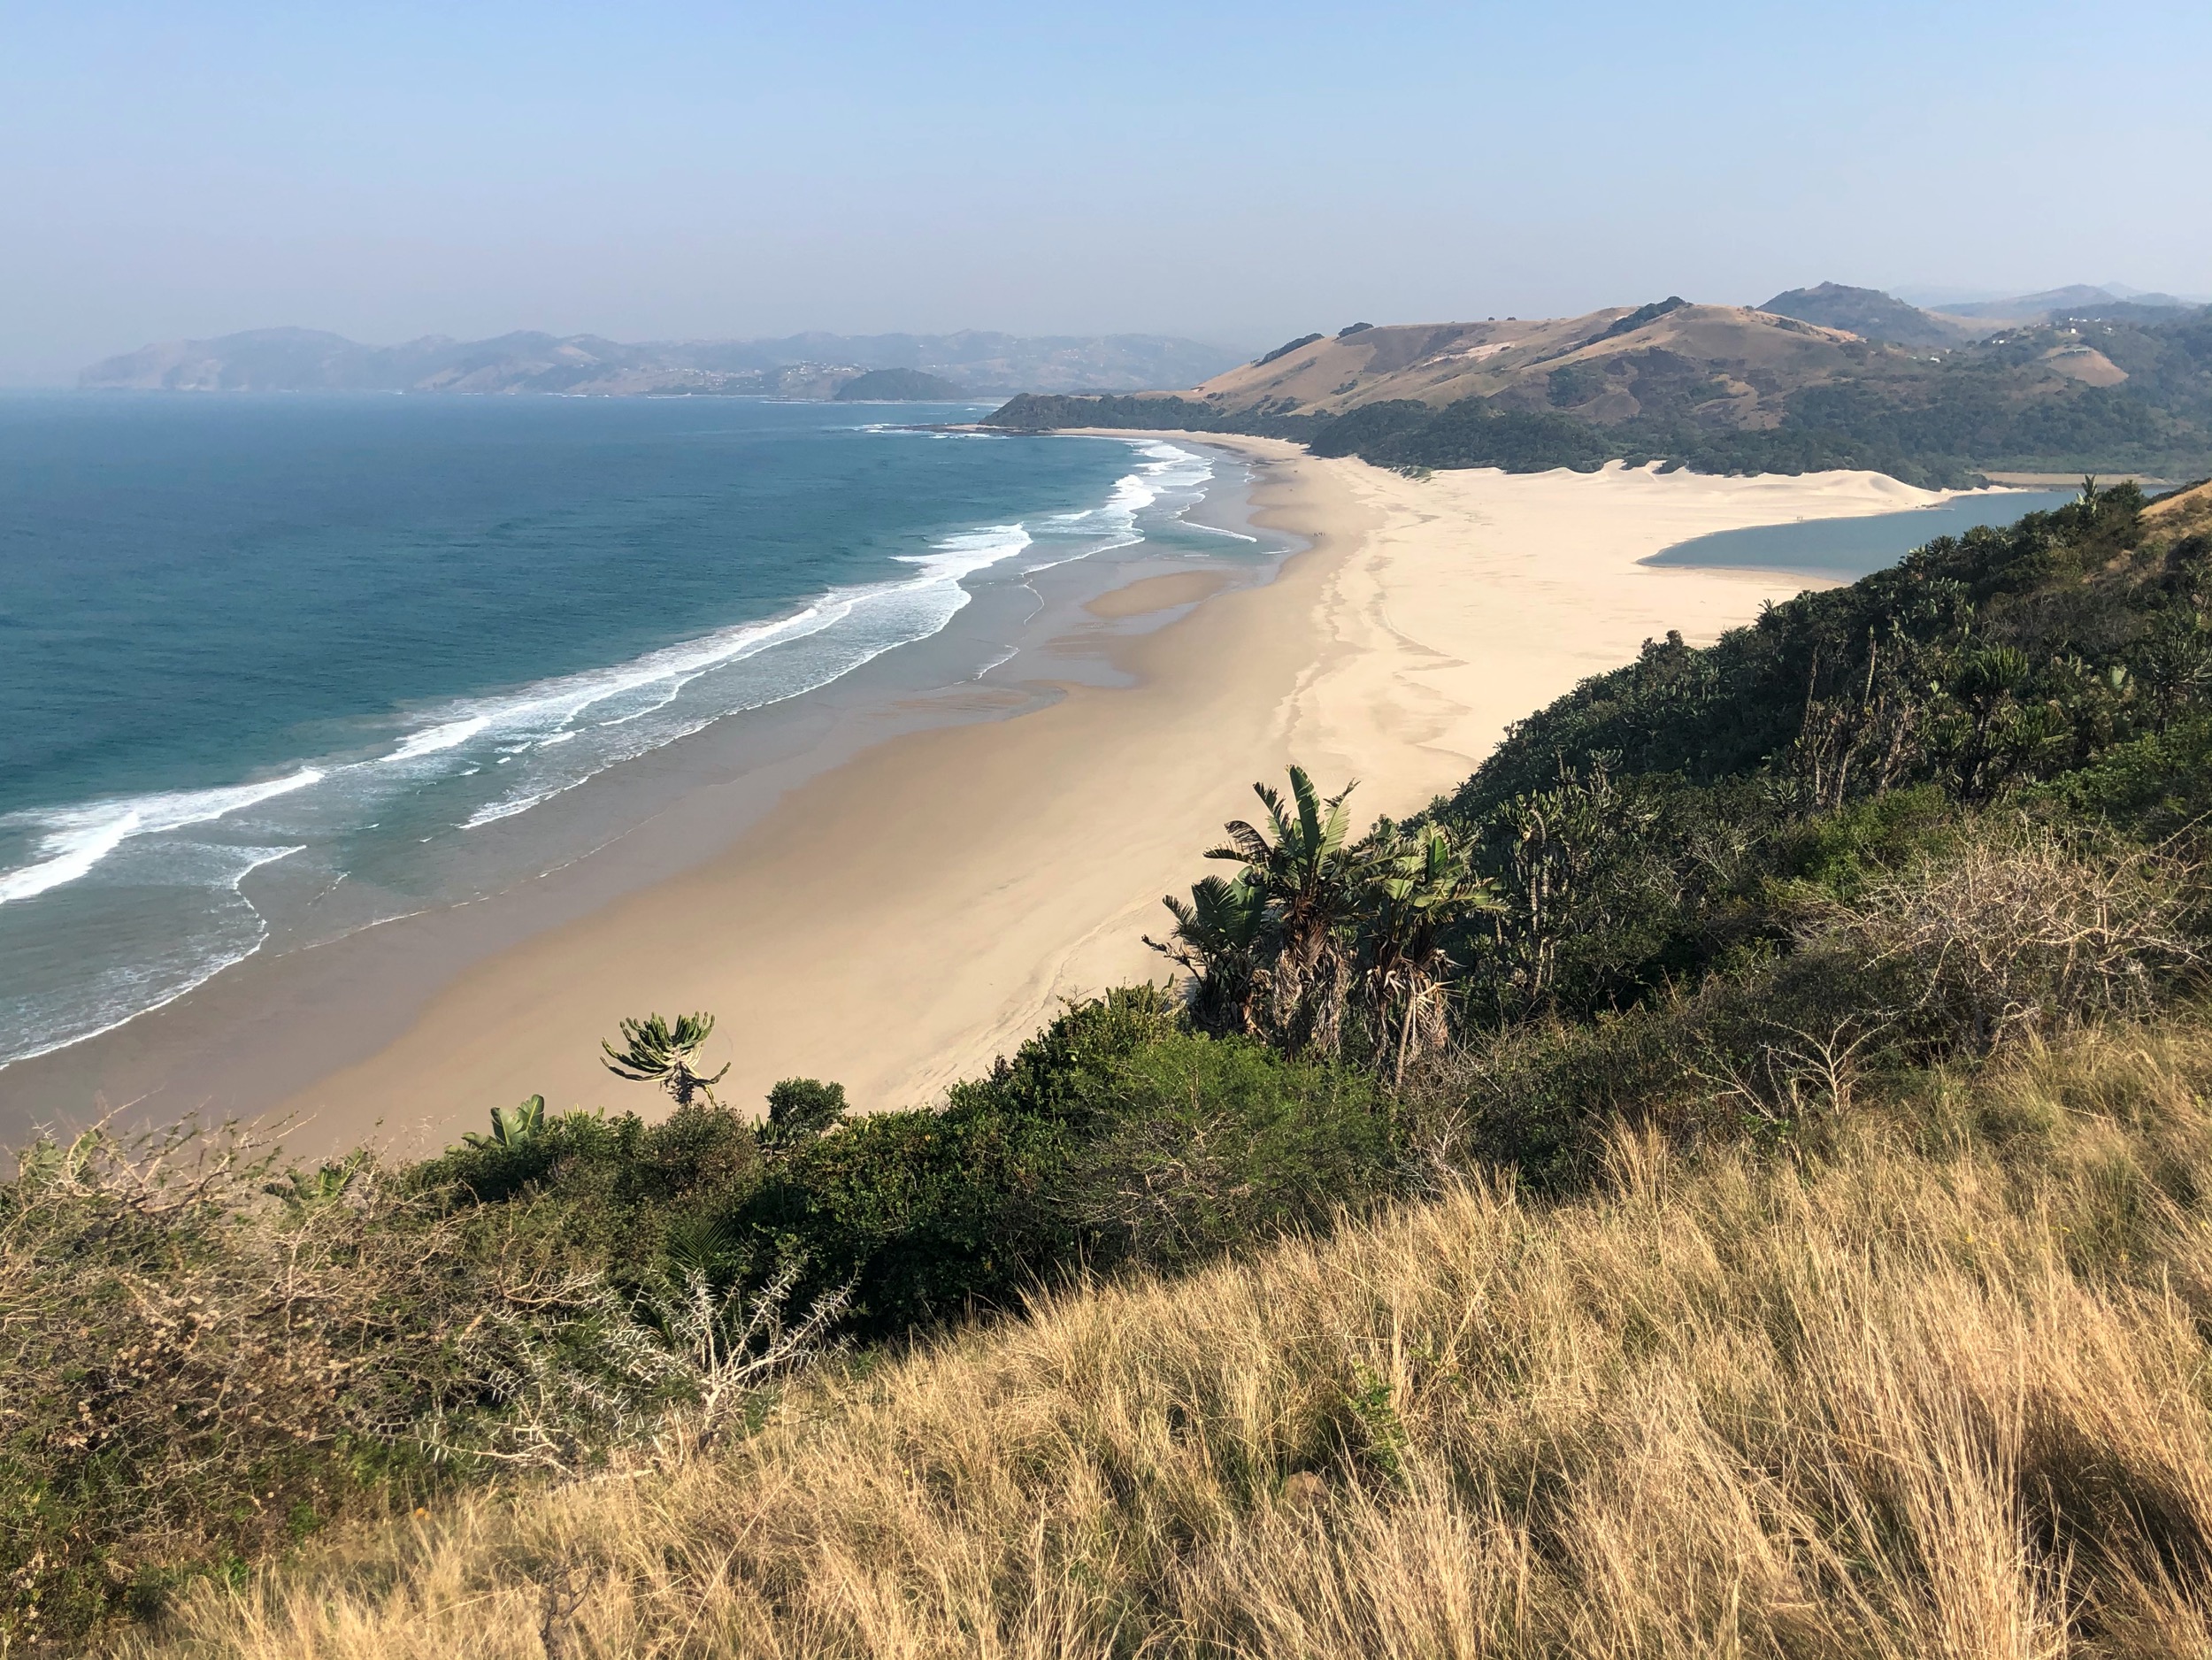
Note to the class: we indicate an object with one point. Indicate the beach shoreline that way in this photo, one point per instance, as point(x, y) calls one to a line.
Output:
point(895, 919)
point(275, 1021)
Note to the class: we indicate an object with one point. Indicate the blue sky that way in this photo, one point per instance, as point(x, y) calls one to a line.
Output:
point(1236, 171)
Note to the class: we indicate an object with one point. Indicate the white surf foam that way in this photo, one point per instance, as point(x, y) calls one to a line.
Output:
point(1163, 468)
point(447, 736)
point(883, 615)
point(73, 841)
point(128, 990)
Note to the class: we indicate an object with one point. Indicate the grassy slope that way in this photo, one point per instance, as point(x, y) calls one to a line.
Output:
point(1935, 1390)
point(1439, 364)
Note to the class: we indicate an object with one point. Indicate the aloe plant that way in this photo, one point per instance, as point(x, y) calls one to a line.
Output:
point(655, 1052)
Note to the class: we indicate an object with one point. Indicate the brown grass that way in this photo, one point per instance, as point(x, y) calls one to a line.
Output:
point(2181, 514)
point(1940, 1392)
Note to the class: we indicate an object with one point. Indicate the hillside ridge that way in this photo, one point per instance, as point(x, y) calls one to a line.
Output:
point(1718, 389)
point(1873, 315)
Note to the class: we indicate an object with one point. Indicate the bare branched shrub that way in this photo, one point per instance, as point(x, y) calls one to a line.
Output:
point(719, 1349)
point(548, 1375)
point(208, 1355)
point(1795, 1072)
point(2027, 934)
point(1160, 1184)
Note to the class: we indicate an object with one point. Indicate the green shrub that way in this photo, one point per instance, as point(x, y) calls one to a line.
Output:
point(1036, 1169)
point(1220, 1141)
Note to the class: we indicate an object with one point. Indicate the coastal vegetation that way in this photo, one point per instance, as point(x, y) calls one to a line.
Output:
point(1041, 411)
point(1730, 1177)
point(899, 386)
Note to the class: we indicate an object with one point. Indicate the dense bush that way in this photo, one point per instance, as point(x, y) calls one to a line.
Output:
point(922, 1217)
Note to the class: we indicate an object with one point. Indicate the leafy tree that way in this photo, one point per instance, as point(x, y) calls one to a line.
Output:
point(799, 1110)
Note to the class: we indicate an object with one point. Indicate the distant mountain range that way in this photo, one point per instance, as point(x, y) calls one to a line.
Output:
point(1823, 377)
point(812, 365)
point(2079, 299)
point(1874, 315)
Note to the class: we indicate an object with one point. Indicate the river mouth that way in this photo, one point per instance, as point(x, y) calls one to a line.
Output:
point(1845, 550)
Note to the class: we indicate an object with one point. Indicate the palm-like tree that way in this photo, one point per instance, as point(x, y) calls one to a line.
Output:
point(1307, 875)
point(1219, 937)
point(655, 1052)
point(1420, 884)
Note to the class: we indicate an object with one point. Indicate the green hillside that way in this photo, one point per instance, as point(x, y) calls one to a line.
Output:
point(898, 386)
point(1870, 314)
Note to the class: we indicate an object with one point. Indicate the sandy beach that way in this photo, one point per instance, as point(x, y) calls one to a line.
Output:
point(897, 922)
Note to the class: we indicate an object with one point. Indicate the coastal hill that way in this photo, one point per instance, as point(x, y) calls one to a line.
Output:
point(812, 365)
point(1607, 365)
point(1720, 388)
point(896, 386)
point(1873, 315)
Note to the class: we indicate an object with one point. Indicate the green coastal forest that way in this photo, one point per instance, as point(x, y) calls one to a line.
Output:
point(1734, 1175)
point(1937, 419)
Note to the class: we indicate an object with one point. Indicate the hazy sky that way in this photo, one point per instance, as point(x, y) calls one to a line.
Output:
point(1236, 171)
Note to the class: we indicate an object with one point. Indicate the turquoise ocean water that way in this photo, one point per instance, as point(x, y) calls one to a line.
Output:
point(273, 669)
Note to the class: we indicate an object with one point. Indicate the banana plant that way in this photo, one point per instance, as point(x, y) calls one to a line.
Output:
point(326, 1184)
point(1218, 936)
point(1420, 883)
point(1306, 873)
point(511, 1126)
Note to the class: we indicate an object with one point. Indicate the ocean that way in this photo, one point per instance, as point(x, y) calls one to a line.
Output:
point(274, 670)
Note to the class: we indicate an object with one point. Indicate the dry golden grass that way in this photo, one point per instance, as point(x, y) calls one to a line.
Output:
point(1935, 1393)
point(2181, 514)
